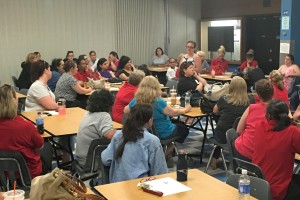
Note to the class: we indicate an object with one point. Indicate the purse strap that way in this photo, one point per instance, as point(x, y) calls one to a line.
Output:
point(76, 189)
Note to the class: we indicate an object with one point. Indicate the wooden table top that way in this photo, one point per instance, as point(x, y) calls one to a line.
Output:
point(159, 68)
point(225, 77)
point(20, 96)
point(63, 125)
point(203, 187)
point(195, 112)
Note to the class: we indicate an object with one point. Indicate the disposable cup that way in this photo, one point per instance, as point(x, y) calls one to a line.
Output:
point(18, 195)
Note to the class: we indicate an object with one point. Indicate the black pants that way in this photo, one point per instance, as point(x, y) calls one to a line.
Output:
point(180, 130)
point(293, 192)
point(46, 154)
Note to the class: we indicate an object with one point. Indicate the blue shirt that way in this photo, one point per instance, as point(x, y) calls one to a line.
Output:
point(142, 158)
point(52, 82)
point(162, 123)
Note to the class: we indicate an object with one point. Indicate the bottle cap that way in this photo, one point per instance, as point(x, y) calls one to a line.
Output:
point(244, 171)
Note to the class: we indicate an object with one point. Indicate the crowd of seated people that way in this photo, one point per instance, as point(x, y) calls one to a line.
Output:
point(140, 98)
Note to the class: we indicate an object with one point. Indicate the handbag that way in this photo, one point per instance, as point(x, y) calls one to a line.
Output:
point(206, 106)
point(194, 98)
point(115, 80)
point(216, 90)
point(59, 185)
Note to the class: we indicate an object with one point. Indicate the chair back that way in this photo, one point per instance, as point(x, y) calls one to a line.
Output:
point(259, 188)
point(12, 163)
point(236, 123)
point(172, 84)
point(230, 135)
point(15, 82)
point(252, 169)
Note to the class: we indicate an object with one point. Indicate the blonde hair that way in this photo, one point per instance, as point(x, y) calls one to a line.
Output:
point(201, 53)
point(221, 50)
point(8, 102)
point(237, 94)
point(277, 79)
point(148, 91)
point(30, 57)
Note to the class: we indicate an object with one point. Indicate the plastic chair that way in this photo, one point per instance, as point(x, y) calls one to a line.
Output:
point(216, 144)
point(259, 188)
point(15, 82)
point(93, 165)
point(12, 163)
point(172, 84)
point(230, 135)
point(236, 123)
point(252, 169)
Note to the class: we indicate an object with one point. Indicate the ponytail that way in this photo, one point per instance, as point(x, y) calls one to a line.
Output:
point(278, 110)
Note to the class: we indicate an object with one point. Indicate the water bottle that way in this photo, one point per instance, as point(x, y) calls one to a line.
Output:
point(40, 123)
point(182, 167)
point(244, 186)
point(187, 98)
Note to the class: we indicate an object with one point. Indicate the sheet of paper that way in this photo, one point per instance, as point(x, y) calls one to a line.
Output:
point(167, 186)
point(50, 112)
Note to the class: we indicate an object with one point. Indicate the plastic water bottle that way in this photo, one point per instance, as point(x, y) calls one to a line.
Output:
point(182, 167)
point(244, 186)
point(40, 123)
point(187, 98)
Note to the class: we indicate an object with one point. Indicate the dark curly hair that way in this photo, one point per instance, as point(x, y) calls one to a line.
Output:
point(100, 101)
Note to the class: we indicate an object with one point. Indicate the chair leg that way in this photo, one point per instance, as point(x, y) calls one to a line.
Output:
point(224, 162)
point(215, 146)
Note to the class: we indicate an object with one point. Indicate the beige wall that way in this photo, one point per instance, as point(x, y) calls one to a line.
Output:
point(235, 8)
point(131, 27)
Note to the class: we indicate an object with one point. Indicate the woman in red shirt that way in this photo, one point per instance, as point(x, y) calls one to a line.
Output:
point(276, 141)
point(219, 65)
point(126, 94)
point(18, 134)
point(249, 62)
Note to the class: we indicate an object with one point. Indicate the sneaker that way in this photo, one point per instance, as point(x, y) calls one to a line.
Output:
point(170, 162)
point(213, 163)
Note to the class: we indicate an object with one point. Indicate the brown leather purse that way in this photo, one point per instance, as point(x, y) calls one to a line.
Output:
point(59, 185)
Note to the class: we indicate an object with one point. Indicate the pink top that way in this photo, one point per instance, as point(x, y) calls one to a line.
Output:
point(275, 153)
point(244, 144)
point(288, 81)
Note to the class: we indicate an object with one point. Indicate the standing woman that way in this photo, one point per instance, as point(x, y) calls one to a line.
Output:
point(219, 64)
point(68, 87)
point(102, 68)
point(57, 68)
point(289, 71)
point(191, 56)
point(229, 107)
point(125, 68)
point(189, 80)
point(160, 58)
point(135, 148)
point(39, 96)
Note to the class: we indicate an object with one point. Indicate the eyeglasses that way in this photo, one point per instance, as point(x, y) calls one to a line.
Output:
point(190, 47)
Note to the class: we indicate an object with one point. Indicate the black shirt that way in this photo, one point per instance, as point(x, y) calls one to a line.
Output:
point(186, 84)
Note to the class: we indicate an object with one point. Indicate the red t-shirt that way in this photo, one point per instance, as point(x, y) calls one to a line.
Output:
point(254, 63)
point(21, 135)
point(123, 98)
point(244, 144)
point(84, 76)
point(274, 152)
point(219, 65)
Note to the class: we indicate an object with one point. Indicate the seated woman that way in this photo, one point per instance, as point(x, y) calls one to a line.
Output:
point(244, 144)
point(18, 134)
point(69, 56)
point(219, 65)
point(113, 60)
point(125, 68)
point(189, 80)
point(204, 64)
point(95, 124)
point(249, 62)
point(276, 141)
point(126, 94)
point(289, 71)
point(24, 80)
point(159, 58)
point(39, 96)
point(135, 148)
point(84, 73)
point(229, 107)
point(149, 92)
point(280, 92)
point(57, 69)
point(102, 68)
point(68, 87)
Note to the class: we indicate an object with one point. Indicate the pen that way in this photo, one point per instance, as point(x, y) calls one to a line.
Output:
point(155, 192)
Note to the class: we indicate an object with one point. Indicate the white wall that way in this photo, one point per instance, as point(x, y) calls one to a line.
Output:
point(131, 27)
